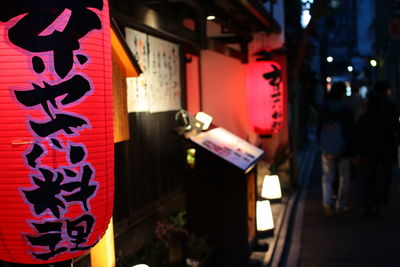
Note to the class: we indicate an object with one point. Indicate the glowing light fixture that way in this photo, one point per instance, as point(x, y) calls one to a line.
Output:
point(305, 18)
point(141, 265)
point(57, 143)
point(265, 95)
point(103, 254)
point(328, 87)
point(373, 63)
point(271, 188)
point(348, 91)
point(306, 12)
point(350, 68)
point(191, 156)
point(329, 59)
point(328, 79)
point(205, 119)
point(211, 17)
point(265, 220)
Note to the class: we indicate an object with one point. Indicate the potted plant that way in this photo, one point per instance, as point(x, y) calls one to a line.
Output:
point(172, 232)
point(197, 249)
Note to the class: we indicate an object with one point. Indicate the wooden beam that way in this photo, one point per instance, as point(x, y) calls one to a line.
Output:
point(142, 18)
point(233, 39)
point(132, 68)
point(225, 50)
point(257, 9)
point(243, 42)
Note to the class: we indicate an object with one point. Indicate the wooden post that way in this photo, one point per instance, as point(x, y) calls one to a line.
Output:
point(103, 254)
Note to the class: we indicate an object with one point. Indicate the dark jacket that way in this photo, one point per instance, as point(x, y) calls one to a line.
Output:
point(337, 110)
point(377, 131)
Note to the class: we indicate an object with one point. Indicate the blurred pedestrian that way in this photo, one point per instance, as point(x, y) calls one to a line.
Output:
point(358, 105)
point(335, 128)
point(376, 135)
point(390, 108)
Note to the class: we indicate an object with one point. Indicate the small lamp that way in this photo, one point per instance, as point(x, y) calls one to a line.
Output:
point(187, 124)
point(205, 119)
point(271, 188)
point(264, 218)
point(182, 116)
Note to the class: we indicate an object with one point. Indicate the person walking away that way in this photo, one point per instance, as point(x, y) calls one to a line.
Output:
point(376, 147)
point(390, 108)
point(358, 105)
point(334, 130)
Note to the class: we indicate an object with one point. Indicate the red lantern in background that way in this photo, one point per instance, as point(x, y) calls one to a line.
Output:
point(56, 119)
point(265, 95)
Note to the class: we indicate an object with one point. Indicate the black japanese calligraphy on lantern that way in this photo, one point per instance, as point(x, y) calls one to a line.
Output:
point(276, 125)
point(44, 197)
point(70, 91)
point(277, 115)
point(76, 153)
point(49, 237)
point(33, 156)
point(56, 144)
point(70, 173)
point(80, 190)
point(50, 33)
point(67, 123)
point(38, 64)
point(273, 77)
point(52, 99)
point(78, 230)
point(40, 15)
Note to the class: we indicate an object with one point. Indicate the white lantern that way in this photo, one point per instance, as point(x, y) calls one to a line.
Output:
point(265, 221)
point(205, 119)
point(271, 188)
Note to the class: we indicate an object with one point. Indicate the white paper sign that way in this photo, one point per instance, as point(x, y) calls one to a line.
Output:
point(138, 87)
point(158, 88)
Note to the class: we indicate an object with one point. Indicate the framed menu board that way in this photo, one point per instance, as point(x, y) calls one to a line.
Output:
point(229, 147)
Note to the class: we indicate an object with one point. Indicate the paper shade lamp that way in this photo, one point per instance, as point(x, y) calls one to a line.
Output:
point(205, 119)
point(264, 218)
point(56, 119)
point(265, 96)
point(271, 188)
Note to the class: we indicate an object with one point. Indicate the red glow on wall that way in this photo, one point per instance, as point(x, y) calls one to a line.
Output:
point(56, 117)
point(193, 84)
point(265, 97)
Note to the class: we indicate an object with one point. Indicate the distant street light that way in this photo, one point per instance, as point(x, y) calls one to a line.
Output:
point(211, 17)
point(329, 59)
point(373, 63)
point(350, 68)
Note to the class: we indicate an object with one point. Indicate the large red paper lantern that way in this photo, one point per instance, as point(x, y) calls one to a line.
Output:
point(265, 96)
point(56, 119)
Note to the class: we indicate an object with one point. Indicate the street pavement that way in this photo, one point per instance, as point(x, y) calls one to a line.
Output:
point(351, 239)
